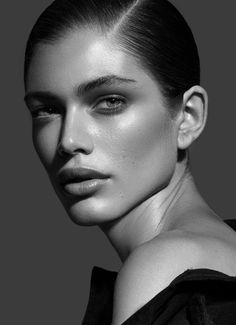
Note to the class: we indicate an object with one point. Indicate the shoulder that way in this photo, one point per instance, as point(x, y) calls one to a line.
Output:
point(151, 268)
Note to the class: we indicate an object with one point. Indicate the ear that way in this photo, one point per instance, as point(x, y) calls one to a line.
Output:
point(192, 117)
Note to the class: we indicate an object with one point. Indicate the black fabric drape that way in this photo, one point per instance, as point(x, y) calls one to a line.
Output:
point(195, 297)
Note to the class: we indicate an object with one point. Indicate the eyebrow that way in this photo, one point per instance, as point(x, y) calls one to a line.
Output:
point(83, 88)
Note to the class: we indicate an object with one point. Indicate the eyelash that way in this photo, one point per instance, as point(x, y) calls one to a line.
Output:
point(48, 112)
point(43, 112)
point(113, 110)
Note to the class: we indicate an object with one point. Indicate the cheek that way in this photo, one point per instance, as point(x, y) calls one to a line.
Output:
point(144, 143)
point(45, 140)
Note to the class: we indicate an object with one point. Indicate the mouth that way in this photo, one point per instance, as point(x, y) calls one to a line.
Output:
point(81, 181)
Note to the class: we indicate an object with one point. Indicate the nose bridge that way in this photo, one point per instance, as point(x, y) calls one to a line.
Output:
point(75, 135)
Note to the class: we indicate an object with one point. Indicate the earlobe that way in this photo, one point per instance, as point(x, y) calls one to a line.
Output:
point(193, 116)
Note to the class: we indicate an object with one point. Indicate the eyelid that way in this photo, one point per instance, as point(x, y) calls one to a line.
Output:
point(40, 108)
point(38, 103)
point(107, 97)
point(104, 108)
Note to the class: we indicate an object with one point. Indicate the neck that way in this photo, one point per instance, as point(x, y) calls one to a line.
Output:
point(157, 214)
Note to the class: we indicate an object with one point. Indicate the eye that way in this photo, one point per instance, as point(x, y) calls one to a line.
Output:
point(42, 112)
point(111, 104)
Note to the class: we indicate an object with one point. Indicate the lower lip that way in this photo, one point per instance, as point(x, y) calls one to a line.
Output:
point(84, 188)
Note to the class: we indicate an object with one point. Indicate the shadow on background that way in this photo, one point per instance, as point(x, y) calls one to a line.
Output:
point(48, 260)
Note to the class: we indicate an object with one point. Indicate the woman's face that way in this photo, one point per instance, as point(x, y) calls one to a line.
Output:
point(100, 126)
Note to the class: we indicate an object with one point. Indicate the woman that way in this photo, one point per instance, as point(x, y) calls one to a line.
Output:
point(113, 90)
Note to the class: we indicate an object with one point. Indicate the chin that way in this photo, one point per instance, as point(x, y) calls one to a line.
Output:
point(91, 212)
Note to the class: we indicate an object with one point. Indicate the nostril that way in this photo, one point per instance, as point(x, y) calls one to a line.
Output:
point(66, 151)
point(65, 147)
point(71, 149)
point(62, 152)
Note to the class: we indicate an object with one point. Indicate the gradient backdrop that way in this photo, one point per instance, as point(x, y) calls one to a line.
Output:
point(47, 260)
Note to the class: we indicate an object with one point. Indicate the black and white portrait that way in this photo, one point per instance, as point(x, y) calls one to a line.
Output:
point(118, 162)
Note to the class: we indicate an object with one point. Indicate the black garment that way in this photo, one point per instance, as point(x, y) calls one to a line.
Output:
point(195, 297)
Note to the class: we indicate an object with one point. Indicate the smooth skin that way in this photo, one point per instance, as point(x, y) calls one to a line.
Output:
point(94, 106)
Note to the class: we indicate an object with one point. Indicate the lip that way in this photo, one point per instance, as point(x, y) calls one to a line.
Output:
point(81, 181)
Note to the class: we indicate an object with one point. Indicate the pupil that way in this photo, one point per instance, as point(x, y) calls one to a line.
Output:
point(112, 101)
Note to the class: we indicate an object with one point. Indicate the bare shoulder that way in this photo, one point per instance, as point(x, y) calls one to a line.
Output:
point(155, 264)
point(151, 268)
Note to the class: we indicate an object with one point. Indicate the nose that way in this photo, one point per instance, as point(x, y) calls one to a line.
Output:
point(75, 134)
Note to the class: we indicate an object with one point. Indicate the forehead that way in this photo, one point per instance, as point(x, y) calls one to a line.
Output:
point(78, 56)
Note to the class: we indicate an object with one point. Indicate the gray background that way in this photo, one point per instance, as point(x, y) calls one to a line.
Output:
point(47, 260)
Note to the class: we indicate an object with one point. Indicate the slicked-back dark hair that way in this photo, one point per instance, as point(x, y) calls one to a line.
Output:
point(153, 31)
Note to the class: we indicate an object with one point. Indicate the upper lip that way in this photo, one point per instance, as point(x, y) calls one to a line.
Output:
point(79, 174)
